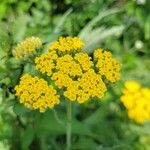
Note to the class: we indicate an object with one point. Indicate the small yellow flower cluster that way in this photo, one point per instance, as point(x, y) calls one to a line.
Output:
point(72, 73)
point(67, 44)
point(67, 65)
point(27, 47)
point(46, 62)
point(106, 65)
point(84, 60)
point(137, 101)
point(35, 93)
point(88, 86)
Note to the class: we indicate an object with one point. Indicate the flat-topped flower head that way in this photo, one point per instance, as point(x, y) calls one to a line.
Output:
point(46, 62)
point(107, 66)
point(136, 99)
point(27, 47)
point(76, 73)
point(67, 65)
point(72, 73)
point(35, 93)
point(88, 86)
point(67, 44)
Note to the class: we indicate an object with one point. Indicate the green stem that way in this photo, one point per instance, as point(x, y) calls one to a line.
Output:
point(68, 126)
point(57, 118)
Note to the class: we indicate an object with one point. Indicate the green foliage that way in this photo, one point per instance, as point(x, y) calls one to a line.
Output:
point(120, 26)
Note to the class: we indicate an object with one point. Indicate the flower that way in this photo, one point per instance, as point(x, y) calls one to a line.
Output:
point(107, 66)
point(84, 60)
point(131, 86)
point(68, 66)
point(137, 101)
point(67, 44)
point(46, 62)
point(72, 73)
point(27, 47)
point(88, 86)
point(35, 93)
point(75, 73)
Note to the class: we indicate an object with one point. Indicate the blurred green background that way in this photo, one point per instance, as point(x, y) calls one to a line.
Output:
point(121, 26)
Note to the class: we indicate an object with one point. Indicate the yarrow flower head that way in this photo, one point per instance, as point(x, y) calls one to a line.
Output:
point(88, 86)
point(27, 47)
point(67, 44)
point(73, 73)
point(35, 93)
point(137, 101)
point(107, 66)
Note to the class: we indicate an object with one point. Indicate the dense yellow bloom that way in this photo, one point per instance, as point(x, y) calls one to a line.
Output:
point(67, 44)
point(75, 72)
point(46, 62)
point(68, 66)
point(106, 65)
point(88, 86)
point(83, 88)
point(35, 93)
point(61, 79)
point(27, 47)
point(72, 72)
point(84, 60)
point(137, 101)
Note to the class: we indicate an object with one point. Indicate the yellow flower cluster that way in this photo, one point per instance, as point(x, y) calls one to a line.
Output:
point(75, 72)
point(106, 65)
point(84, 60)
point(27, 47)
point(67, 44)
point(35, 93)
point(67, 65)
point(137, 101)
point(46, 62)
point(88, 86)
point(72, 72)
